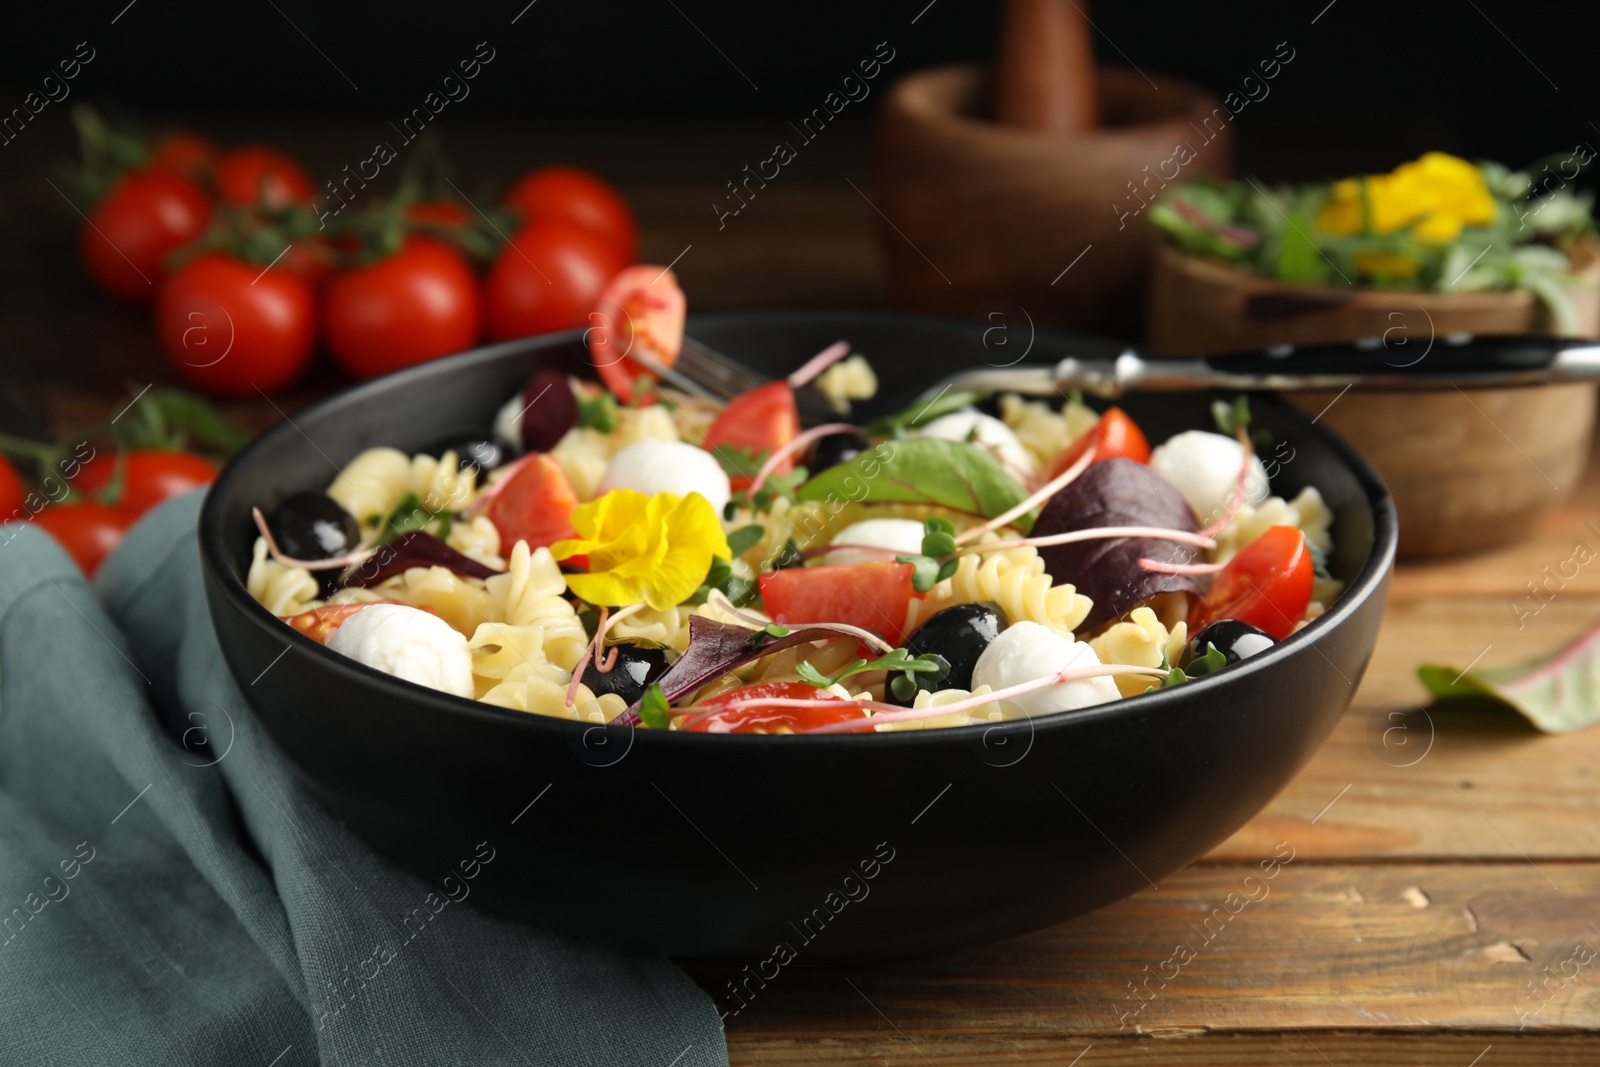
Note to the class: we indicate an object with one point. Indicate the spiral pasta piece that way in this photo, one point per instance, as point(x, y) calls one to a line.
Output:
point(477, 538)
point(440, 484)
point(532, 593)
point(541, 689)
point(1043, 430)
point(1014, 579)
point(1139, 641)
point(925, 699)
point(371, 485)
point(461, 602)
point(281, 590)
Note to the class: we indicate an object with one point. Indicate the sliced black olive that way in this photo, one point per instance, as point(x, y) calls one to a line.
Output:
point(474, 453)
point(959, 634)
point(310, 525)
point(834, 449)
point(1234, 639)
point(636, 667)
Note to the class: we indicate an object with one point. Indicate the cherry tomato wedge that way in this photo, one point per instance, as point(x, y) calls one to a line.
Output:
point(1113, 436)
point(760, 421)
point(319, 623)
point(148, 477)
point(873, 596)
point(641, 308)
point(1268, 585)
point(714, 716)
point(86, 530)
point(532, 502)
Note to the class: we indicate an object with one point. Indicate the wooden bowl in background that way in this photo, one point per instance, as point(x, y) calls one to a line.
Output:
point(976, 211)
point(1469, 468)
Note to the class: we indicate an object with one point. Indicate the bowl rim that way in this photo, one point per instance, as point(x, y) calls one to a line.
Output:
point(216, 566)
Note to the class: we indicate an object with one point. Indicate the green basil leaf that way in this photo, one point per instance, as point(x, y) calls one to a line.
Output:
point(654, 711)
point(922, 470)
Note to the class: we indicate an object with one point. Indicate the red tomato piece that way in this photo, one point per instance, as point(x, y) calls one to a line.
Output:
point(418, 304)
point(532, 502)
point(873, 596)
point(254, 174)
point(1114, 436)
point(547, 277)
point(714, 716)
point(762, 420)
point(12, 492)
point(143, 219)
point(86, 530)
point(573, 194)
point(187, 153)
point(230, 328)
point(642, 307)
point(148, 477)
point(1268, 585)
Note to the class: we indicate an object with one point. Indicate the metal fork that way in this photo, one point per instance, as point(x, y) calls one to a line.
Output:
point(704, 372)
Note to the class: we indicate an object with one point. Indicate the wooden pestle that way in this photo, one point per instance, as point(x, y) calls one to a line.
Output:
point(1044, 72)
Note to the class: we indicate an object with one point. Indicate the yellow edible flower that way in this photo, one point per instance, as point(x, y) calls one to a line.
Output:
point(656, 549)
point(1436, 196)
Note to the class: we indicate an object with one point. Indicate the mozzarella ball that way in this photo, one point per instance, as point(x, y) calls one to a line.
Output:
point(408, 643)
point(508, 425)
point(676, 467)
point(1025, 651)
point(1204, 467)
point(981, 429)
point(902, 535)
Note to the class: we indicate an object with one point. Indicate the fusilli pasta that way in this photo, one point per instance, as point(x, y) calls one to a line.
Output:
point(1139, 641)
point(532, 592)
point(1043, 430)
point(281, 590)
point(1014, 579)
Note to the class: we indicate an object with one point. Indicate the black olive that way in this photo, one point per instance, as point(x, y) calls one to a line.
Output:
point(310, 525)
point(1234, 639)
point(834, 449)
point(473, 453)
point(959, 634)
point(636, 667)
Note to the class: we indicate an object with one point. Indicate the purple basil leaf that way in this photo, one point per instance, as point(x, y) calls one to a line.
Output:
point(414, 549)
point(1117, 492)
point(715, 648)
point(549, 409)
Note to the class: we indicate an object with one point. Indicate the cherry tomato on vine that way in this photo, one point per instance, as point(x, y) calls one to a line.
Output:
point(228, 327)
point(547, 277)
point(145, 217)
point(715, 716)
point(12, 492)
point(762, 420)
point(187, 153)
point(1114, 436)
point(437, 213)
point(148, 476)
point(86, 530)
point(417, 304)
point(1268, 585)
point(254, 174)
point(641, 307)
point(574, 194)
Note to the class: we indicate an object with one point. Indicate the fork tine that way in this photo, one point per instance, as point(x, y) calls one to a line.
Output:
point(715, 370)
point(686, 382)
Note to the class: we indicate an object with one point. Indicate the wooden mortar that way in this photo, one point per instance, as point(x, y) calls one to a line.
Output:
point(1469, 469)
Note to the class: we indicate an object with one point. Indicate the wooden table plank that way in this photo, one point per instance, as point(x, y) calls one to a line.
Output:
point(1312, 962)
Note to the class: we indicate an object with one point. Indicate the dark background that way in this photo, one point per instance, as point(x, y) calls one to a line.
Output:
point(1373, 81)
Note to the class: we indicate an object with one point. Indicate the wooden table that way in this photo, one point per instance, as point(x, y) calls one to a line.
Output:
point(1444, 861)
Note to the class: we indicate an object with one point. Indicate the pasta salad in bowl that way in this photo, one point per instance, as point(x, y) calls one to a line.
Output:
point(601, 621)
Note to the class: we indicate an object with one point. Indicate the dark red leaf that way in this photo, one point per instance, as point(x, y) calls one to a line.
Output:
point(415, 549)
point(549, 409)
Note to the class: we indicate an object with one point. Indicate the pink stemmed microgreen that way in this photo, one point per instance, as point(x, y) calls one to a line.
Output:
point(819, 363)
point(592, 652)
point(800, 443)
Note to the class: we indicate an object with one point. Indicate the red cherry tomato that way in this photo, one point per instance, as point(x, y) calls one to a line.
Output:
point(547, 278)
point(148, 477)
point(144, 218)
point(437, 213)
point(1268, 585)
point(1113, 436)
point(254, 174)
point(87, 531)
point(762, 420)
point(532, 502)
point(873, 596)
point(420, 303)
point(309, 257)
point(573, 194)
point(714, 716)
point(229, 328)
point(12, 492)
point(643, 308)
point(187, 153)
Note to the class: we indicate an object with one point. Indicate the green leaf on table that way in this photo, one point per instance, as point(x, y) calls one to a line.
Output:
point(1557, 694)
point(923, 470)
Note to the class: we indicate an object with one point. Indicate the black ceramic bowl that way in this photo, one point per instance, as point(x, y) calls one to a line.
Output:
point(843, 848)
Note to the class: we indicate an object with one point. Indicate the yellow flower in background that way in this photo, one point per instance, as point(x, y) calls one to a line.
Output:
point(1385, 266)
point(656, 549)
point(1436, 196)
